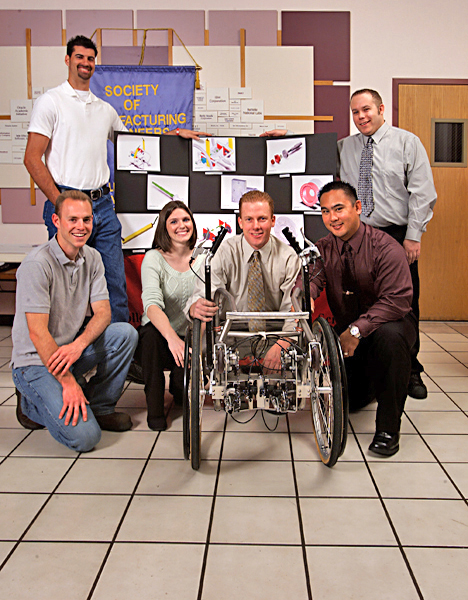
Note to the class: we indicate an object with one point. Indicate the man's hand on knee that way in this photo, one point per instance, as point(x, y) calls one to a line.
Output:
point(74, 400)
point(349, 343)
point(63, 358)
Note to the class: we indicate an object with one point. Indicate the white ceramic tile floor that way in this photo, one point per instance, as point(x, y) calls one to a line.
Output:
point(262, 518)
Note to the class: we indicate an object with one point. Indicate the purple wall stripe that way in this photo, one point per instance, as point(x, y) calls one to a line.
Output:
point(189, 25)
point(329, 33)
point(332, 100)
point(16, 206)
point(84, 22)
point(261, 27)
point(45, 25)
point(130, 55)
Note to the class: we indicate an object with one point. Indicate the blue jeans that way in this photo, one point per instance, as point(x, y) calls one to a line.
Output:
point(41, 393)
point(106, 238)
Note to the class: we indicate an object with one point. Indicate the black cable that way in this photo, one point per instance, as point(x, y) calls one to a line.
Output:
point(244, 422)
point(196, 274)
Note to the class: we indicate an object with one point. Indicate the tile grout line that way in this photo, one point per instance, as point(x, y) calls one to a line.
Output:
point(113, 541)
point(440, 463)
point(210, 522)
point(3, 459)
point(20, 539)
point(387, 514)
point(299, 516)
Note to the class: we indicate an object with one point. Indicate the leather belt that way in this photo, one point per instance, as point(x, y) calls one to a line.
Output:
point(99, 193)
point(93, 194)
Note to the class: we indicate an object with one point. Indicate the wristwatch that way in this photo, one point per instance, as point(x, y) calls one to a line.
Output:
point(354, 331)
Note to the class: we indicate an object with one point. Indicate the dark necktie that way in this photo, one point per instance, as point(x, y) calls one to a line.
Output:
point(350, 285)
point(365, 191)
point(256, 292)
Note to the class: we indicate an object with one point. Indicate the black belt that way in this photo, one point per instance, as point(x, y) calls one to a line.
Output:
point(99, 193)
point(93, 194)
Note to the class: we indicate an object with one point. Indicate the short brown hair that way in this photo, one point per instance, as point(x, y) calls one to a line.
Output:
point(71, 195)
point(161, 240)
point(376, 97)
point(257, 196)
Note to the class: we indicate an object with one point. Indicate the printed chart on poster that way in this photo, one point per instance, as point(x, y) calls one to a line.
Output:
point(305, 190)
point(138, 230)
point(286, 156)
point(138, 153)
point(215, 154)
point(233, 187)
point(164, 188)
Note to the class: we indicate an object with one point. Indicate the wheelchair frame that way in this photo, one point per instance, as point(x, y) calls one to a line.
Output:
point(312, 369)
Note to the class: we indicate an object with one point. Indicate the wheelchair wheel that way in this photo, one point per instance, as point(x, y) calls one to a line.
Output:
point(196, 395)
point(185, 401)
point(326, 400)
point(344, 394)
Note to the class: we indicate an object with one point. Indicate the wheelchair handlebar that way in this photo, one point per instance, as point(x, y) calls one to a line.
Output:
point(218, 239)
point(292, 240)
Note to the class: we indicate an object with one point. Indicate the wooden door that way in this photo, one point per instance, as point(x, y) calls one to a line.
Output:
point(443, 265)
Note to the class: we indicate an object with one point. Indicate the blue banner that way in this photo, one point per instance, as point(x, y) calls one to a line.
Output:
point(150, 100)
point(147, 99)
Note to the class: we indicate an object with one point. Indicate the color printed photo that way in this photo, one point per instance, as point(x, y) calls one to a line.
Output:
point(233, 187)
point(164, 188)
point(286, 155)
point(305, 190)
point(215, 154)
point(138, 153)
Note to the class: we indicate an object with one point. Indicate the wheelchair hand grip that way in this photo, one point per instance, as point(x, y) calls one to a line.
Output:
point(219, 238)
point(292, 240)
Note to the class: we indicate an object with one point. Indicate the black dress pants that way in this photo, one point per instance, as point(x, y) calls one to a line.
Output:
point(381, 368)
point(154, 357)
point(398, 233)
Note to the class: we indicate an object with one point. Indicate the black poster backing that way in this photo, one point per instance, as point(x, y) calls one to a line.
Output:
point(205, 190)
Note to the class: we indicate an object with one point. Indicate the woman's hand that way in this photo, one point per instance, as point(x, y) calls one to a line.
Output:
point(177, 348)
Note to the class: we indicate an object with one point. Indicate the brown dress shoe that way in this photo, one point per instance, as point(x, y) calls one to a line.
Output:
point(23, 420)
point(116, 421)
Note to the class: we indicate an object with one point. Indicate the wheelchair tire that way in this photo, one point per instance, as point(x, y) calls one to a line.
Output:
point(197, 395)
point(185, 400)
point(326, 399)
point(344, 394)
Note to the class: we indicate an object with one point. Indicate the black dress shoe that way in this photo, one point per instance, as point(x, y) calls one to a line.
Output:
point(385, 444)
point(23, 420)
point(416, 387)
point(116, 421)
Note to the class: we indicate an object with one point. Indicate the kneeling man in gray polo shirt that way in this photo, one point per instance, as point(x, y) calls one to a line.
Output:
point(69, 374)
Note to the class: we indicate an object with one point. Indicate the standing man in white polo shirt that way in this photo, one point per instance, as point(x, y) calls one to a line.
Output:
point(71, 126)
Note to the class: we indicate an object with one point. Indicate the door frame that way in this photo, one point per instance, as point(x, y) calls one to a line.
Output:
point(396, 82)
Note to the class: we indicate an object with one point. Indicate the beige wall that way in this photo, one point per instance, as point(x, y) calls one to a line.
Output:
point(423, 38)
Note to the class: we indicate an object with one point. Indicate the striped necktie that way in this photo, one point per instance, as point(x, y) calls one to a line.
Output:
point(256, 292)
point(365, 191)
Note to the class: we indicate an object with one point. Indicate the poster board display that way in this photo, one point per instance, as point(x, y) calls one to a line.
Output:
point(207, 190)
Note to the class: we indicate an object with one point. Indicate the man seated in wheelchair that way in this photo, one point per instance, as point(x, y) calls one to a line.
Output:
point(369, 291)
point(259, 271)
